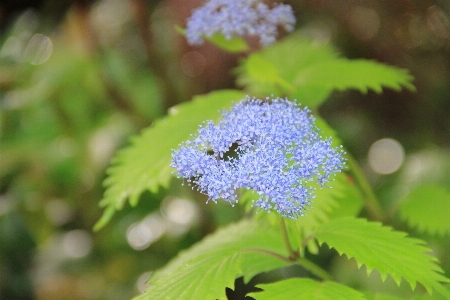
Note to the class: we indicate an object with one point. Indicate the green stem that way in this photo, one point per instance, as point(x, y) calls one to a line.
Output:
point(276, 255)
point(313, 268)
point(372, 204)
point(292, 254)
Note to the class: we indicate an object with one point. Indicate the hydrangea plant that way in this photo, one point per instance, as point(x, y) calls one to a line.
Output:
point(270, 146)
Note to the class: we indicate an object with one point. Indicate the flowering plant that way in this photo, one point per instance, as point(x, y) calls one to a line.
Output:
point(278, 154)
point(274, 150)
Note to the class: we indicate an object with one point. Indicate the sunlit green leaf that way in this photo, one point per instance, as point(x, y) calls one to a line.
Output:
point(234, 44)
point(304, 288)
point(390, 252)
point(256, 262)
point(362, 75)
point(204, 270)
point(265, 71)
point(428, 208)
point(309, 71)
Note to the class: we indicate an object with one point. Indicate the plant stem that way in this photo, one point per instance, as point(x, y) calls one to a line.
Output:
point(276, 255)
point(372, 205)
point(292, 254)
point(313, 268)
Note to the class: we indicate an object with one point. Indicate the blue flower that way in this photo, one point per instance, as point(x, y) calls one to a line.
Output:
point(270, 146)
point(238, 18)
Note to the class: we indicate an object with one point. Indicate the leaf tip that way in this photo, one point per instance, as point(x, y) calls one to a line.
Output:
point(104, 219)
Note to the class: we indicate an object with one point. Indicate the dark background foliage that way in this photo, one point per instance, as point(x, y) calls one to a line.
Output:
point(78, 78)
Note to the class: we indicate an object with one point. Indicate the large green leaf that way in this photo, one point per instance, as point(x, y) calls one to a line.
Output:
point(204, 270)
point(428, 208)
point(233, 45)
point(304, 288)
point(309, 71)
point(362, 75)
point(388, 251)
point(145, 164)
point(287, 57)
point(258, 262)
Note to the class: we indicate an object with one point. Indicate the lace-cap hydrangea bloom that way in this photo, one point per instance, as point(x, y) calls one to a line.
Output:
point(270, 146)
point(239, 18)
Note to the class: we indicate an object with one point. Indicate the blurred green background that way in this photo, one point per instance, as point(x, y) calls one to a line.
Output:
point(78, 78)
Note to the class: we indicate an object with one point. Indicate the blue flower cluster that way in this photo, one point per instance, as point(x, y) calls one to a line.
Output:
point(270, 146)
point(238, 18)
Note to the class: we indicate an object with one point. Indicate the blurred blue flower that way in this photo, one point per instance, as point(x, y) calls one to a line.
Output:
point(270, 146)
point(238, 18)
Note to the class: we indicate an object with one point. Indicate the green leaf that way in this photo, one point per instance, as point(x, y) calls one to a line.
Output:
point(233, 45)
point(145, 164)
point(390, 252)
point(362, 75)
point(256, 263)
point(289, 56)
point(309, 71)
point(427, 208)
point(218, 271)
point(265, 71)
point(304, 288)
point(204, 270)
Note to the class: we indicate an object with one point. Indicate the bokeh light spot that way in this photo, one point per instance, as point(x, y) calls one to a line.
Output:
point(140, 235)
point(39, 49)
point(179, 211)
point(141, 283)
point(12, 48)
point(68, 147)
point(77, 243)
point(58, 212)
point(386, 156)
point(438, 22)
point(364, 22)
point(193, 64)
